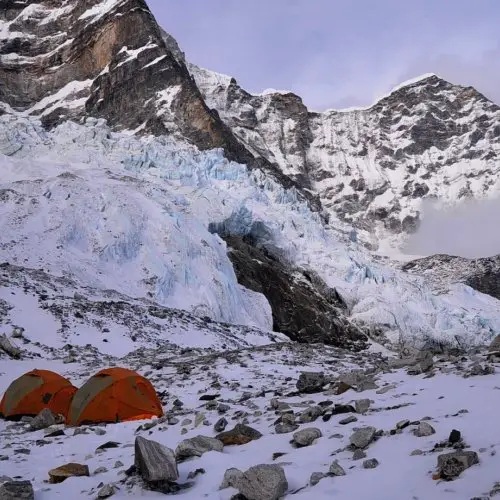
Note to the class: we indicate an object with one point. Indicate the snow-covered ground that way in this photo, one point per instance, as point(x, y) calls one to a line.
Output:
point(446, 400)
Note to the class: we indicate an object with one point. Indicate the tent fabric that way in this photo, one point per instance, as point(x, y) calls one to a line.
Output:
point(29, 394)
point(114, 395)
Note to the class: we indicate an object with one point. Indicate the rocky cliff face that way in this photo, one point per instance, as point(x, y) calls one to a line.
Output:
point(64, 60)
point(372, 167)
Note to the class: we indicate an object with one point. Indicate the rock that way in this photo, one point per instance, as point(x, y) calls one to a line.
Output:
point(425, 360)
point(240, 434)
point(311, 382)
point(285, 428)
point(195, 473)
point(231, 478)
point(263, 482)
point(60, 474)
point(311, 414)
point(371, 463)
point(339, 388)
point(335, 469)
point(155, 462)
point(220, 425)
point(316, 477)
point(100, 470)
point(455, 436)
point(349, 420)
point(306, 437)
point(416, 453)
point(424, 429)
point(363, 437)
point(43, 420)
point(16, 490)
point(7, 346)
point(362, 405)
point(199, 419)
point(451, 465)
point(209, 397)
point(108, 490)
point(402, 424)
point(358, 455)
point(197, 446)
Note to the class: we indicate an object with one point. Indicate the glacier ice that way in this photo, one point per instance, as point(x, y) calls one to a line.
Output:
point(141, 215)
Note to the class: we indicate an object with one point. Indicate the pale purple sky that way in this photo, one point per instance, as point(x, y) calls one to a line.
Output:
point(339, 53)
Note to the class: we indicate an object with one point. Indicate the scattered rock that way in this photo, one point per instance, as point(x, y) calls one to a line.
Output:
point(335, 469)
point(155, 462)
point(197, 446)
point(455, 436)
point(43, 420)
point(195, 473)
point(362, 405)
point(7, 346)
point(311, 382)
point(316, 477)
point(403, 424)
point(231, 478)
point(263, 482)
point(311, 414)
point(60, 474)
point(349, 420)
point(371, 463)
point(240, 434)
point(16, 490)
point(220, 425)
point(108, 490)
point(416, 453)
point(358, 455)
point(424, 429)
point(306, 437)
point(451, 465)
point(363, 437)
point(285, 428)
point(100, 470)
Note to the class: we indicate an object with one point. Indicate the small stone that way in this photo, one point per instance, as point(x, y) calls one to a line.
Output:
point(195, 473)
point(371, 463)
point(424, 429)
point(263, 482)
point(16, 490)
point(220, 425)
point(358, 455)
point(416, 453)
point(362, 405)
point(403, 424)
point(240, 434)
point(306, 437)
point(335, 469)
point(311, 414)
point(99, 431)
point(231, 478)
point(349, 420)
point(285, 428)
point(118, 464)
point(451, 465)
point(100, 470)
point(108, 490)
point(311, 382)
point(363, 437)
point(199, 419)
point(197, 446)
point(455, 436)
point(316, 477)
point(43, 420)
point(60, 474)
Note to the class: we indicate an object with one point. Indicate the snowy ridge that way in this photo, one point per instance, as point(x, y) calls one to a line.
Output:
point(147, 204)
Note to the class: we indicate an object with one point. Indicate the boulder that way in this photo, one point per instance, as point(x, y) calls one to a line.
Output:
point(306, 437)
point(335, 469)
point(363, 437)
point(311, 414)
point(231, 478)
point(240, 434)
point(362, 405)
point(108, 490)
point(311, 382)
point(155, 462)
point(263, 482)
point(60, 474)
point(424, 429)
point(451, 465)
point(43, 420)
point(197, 446)
point(16, 490)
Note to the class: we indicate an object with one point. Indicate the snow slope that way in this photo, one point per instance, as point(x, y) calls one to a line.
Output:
point(132, 215)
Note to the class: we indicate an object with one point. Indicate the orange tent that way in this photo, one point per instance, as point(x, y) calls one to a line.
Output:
point(34, 391)
point(114, 395)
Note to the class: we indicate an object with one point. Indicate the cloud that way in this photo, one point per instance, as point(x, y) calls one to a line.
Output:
point(469, 229)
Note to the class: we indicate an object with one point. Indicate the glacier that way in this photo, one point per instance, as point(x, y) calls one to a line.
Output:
point(140, 215)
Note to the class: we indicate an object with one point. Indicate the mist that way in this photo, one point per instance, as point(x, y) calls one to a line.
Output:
point(470, 230)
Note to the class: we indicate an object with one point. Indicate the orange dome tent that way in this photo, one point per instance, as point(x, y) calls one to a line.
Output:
point(114, 395)
point(34, 391)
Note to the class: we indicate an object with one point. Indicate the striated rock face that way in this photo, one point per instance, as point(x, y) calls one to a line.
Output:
point(372, 167)
point(481, 274)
